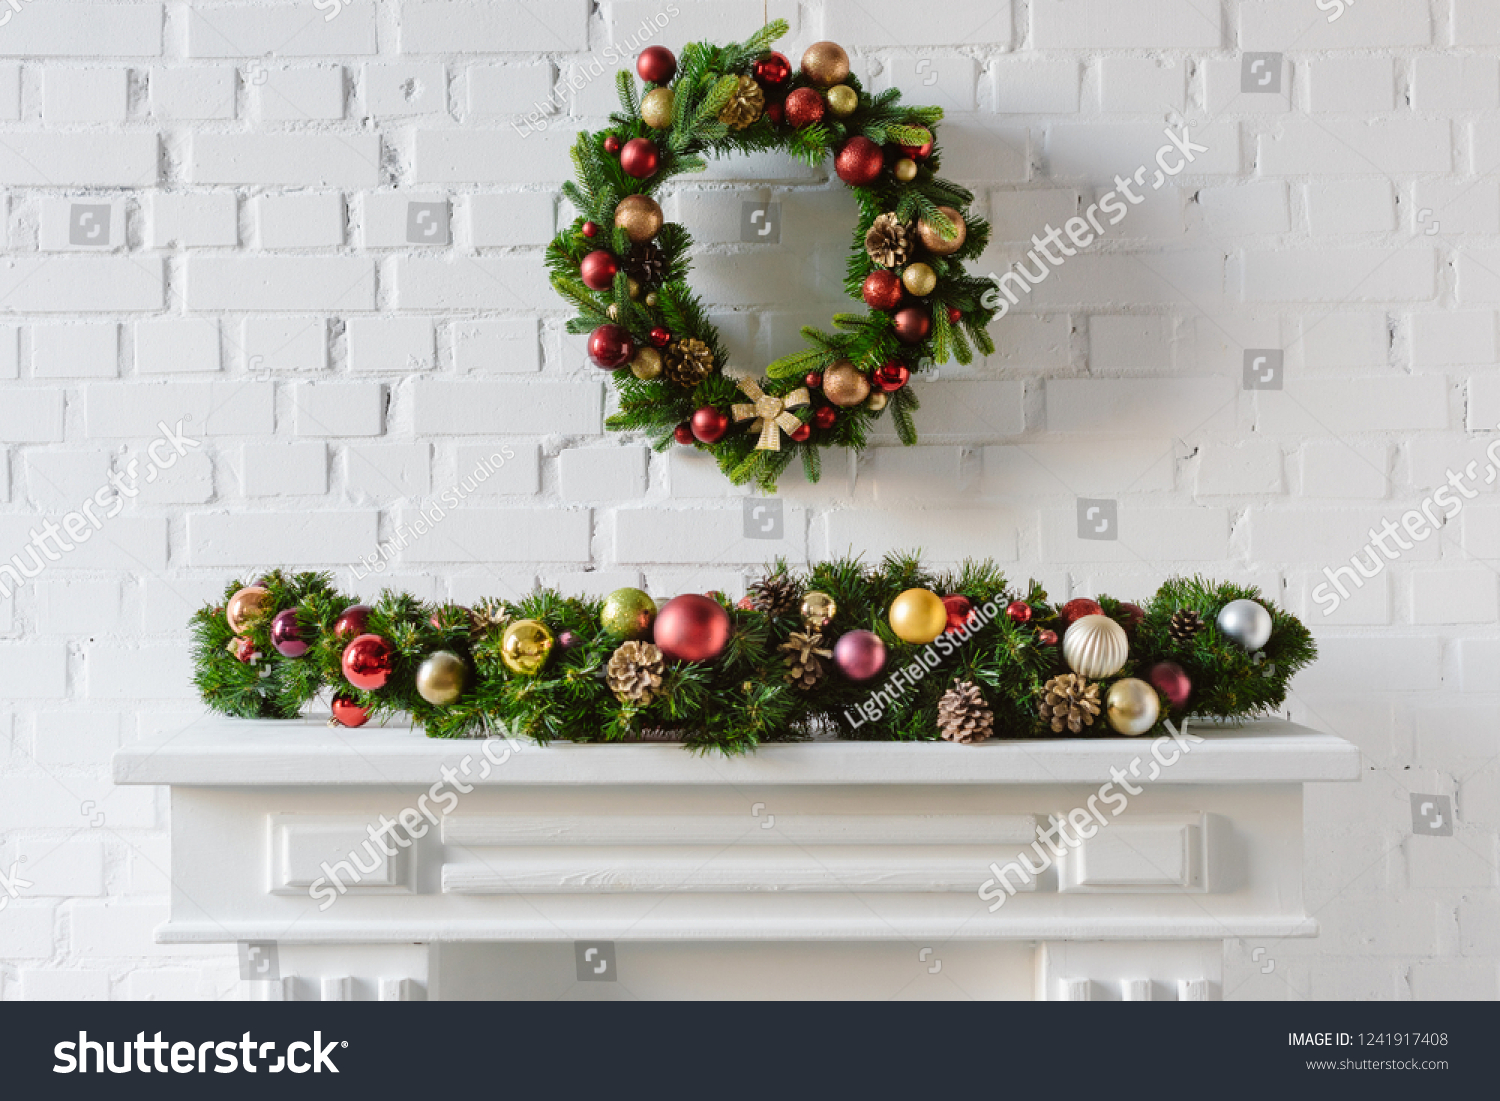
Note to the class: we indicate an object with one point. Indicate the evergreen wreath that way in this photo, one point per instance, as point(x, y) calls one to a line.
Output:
point(624, 268)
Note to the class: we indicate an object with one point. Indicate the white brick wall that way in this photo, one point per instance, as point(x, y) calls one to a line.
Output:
point(256, 282)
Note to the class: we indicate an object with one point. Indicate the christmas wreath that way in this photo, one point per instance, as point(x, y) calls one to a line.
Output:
point(895, 652)
point(624, 267)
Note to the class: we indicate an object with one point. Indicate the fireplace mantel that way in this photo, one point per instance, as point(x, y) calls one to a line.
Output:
point(700, 875)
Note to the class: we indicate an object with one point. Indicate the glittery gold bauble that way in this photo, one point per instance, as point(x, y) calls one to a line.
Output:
point(818, 610)
point(628, 614)
point(877, 400)
point(918, 616)
point(905, 170)
point(633, 288)
point(1132, 706)
point(646, 365)
point(842, 100)
point(525, 647)
point(826, 64)
point(919, 279)
point(844, 385)
point(653, 300)
point(933, 241)
point(640, 217)
point(441, 677)
point(656, 108)
point(246, 606)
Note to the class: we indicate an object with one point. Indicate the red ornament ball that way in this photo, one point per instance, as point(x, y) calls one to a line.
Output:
point(1171, 680)
point(1075, 610)
point(691, 628)
point(354, 620)
point(709, 425)
point(245, 651)
point(346, 712)
point(745, 604)
point(859, 161)
point(890, 377)
point(773, 70)
point(882, 290)
point(368, 662)
point(598, 270)
point(825, 416)
point(610, 347)
point(960, 611)
point(776, 111)
point(812, 380)
point(639, 158)
point(286, 634)
point(660, 337)
point(683, 433)
point(1047, 638)
point(1132, 614)
point(804, 106)
point(801, 432)
point(612, 145)
point(912, 324)
point(954, 314)
point(591, 229)
point(859, 655)
point(1019, 611)
point(656, 64)
point(918, 152)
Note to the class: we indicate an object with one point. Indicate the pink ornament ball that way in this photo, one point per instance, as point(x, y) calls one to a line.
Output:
point(860, 655)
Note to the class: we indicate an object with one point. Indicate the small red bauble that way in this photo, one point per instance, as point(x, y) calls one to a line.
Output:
point(960, 611)
point(776, 111)
point(825, 416)
point(890, 377)
point(245, 651)
point(368, 662)
point(1171, 680)
point(912, 325)
point(610, 347)
point(801, 432)
point(1047, 638)
point(1019, 611)
point(918, 152)
point(709, 425)
point(882, 290)
point(353, 621)
point(954, 313)
point(812, 380)
point(773, 70)
point(348, 713)
point(859, 161)
point(691, 628)
point(612, 145)
point(656, 64)
point(639, 158)
point(591, 229)
point(1132, 614)
point(683, 433)
point(660, 337)
point(804, 106)
point(745, 604)
point(1075, 610)
point(598, 270)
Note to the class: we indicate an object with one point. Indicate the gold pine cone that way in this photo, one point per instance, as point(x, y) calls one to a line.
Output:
point(888, 242)
point(635, 671)
point(746, 105)
point(1069, 701)
point(687, 362)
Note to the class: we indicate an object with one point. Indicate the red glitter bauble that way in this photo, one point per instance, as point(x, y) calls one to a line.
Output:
point(918, 152)
point(591, 229)
point(639, 158)
point(804, 106)
point(1075, 610)
point(610, 347)
point(660, 337)
point(825, 416)
point(801, 432)
point(354, 620)
point(1171, 680)
point(1019, 611)
point(598, 270)
point(1047, 638)
point(348, 713)
point(912, 325)
point(960, 611)
point(656, 65)
point(954, 313)
point(773, 70)
point(612, 145)
point(882, 290)
point(691, 628)
point(368, 662)
point(709, 425)
point(683, 433)
point(859, 162)
point(890, 377)
point(812, 380)
point(776, 111)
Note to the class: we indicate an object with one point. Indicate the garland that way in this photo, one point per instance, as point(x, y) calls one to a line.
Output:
point(860, 652)
point(624, 268)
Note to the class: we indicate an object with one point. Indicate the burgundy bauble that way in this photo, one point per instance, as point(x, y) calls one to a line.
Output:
point(612, 145)
point(368, 662)
point(960, 611)
point(860, 655)
point(1019, 611)
point(691, 628)
point(567, 640)
point(859, 161)
point(1076, 609)
point(639, 158)
point(346, 712)
point(776, 111)
point(1047, 638)
point(918, 152)
point(801, 432)
point(598, 270)
point(954, 314)
point(912, 324)
point(882, 290)
point(286, 634)
point(591, 229)
point(890, 377)
point(1132, 614)
point(656, 64)
point(709, 424)
point(812, 380)
point(825, 416)
point(354, 621)
point(773, 70)
point(610, 347)
point(1171, 680)
point(683, 433)
point(804, 106)
point(660, 337)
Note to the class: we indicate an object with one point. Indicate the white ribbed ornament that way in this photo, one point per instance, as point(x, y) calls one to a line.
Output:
point(1095, 646)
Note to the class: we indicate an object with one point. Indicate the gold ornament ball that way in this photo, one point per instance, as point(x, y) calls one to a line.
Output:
point(640, 217)
point(653, 300)
point(246, 606)
point(919, 279)
point(656, 108)
point(826, 64)
point(842, 100)
point(918, 616)
point(1095, 646)
point(876, 401)
point(845, 385)
point(933, 241)
point(441, 678)
point(633, 288)
point(628, 614)
point(1132, 706)
point(525, 647)
point(906, 170)
point(818, 610)
point(646, 365)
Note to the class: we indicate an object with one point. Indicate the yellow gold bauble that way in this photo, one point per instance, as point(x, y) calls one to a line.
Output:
point(526, 646)
point(646, 365)
point(842, 100)
point(906, 170)
point(1132, 706)
point(653, 300)
point(845, 385)
point(933, 241)
point(826, 64)
point(918, 616)
point(251, 603)
point(919, 279)
point(633, 288)
point(656, 108)
point(640, 217)
point(818, 610)
point(877, 400)
point(441, 678)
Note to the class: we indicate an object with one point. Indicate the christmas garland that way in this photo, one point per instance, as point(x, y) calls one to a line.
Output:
point(625, 268)
point(863, 653)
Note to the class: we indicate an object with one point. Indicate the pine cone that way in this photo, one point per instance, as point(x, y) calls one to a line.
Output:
point(487, 615)
point(646, 263)
point(806, 660)
point(1184, 625)
point(745, 106)
point(888, 241)
point(775, 595)
point(634, 672)
point(963, 716)
point(687, 362)
point(1069, 701)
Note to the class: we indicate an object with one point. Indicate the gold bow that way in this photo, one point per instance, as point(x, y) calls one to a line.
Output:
point(770, 413)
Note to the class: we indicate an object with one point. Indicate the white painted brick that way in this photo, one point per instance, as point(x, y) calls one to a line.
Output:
point(1084, 24)
point(175, 984)
point(1125, 279)
point(64, 479)
point(1328, 536)
point(1141, 86)
point(1352, 85)
point(1029, 340)
point(1025, 87)
point(1322, 406)
point(89, 350)
point(456, 26)
point(385, 471)
point(1246, 208)
point(1021, 215)
point(1339, 340)
point(117, 928)
point(76, 737)
point(503, 345)
point(284, 344)
point(64, 986)
point(405, 89)
point(337, 283)
point(31, 416)
point(1475, 23)
point(449, 283)
point(1484, 403)
point(1246, 468)
point(1455, 594)
point(1340, 275)
point(32, 670)
point(1369, 605)
point(1145, 534)
point(653, 21)
point(480, 536)
point(1224, 82)
point(78, 608)
point(506, 408)
point(942, 80)
point(296, 469)
point(10, 351)
point(963, 410)
point(1479, 663)
point(141, 540)
point(28, 931)
point(976, 147)
point(586, 86)
point(1176, 406)
point(1481, 526)
point(339, 408)
point(1462, 338)
point(83, 95)
point(60, 869)
point(1479, 276)
point(1103, 151)
point(139, 671)
point(493, 91)
point(1386, 663)
point(1351, 206)
point(1448, 83)
point(1456, 206)
point(205, 408)
point(202, 92)
point(945, 535)
point(515, 218)
point(602, 474)
point(325, 160)
point(386, 220)
point(176, 345)
point(55, 224)
point(922, 473)
point(10, 91)
point(191, 219)
point(1394, 147)
point(1382, 24)
point(298, 95)
point(390, 344)
point(86, 30)
point(703, 535)
point(189, 480)
point(1077, 469)
point(79, 160)
point(300, 220)
point(307, 538)
point(1145, 340)
point(285, 30)
point(1337, 469)
point(515, 469)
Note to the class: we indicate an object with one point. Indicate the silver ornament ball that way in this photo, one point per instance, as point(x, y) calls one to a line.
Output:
point(1246, 623)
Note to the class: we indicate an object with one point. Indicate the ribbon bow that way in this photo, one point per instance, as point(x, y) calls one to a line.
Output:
point(770, 413)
